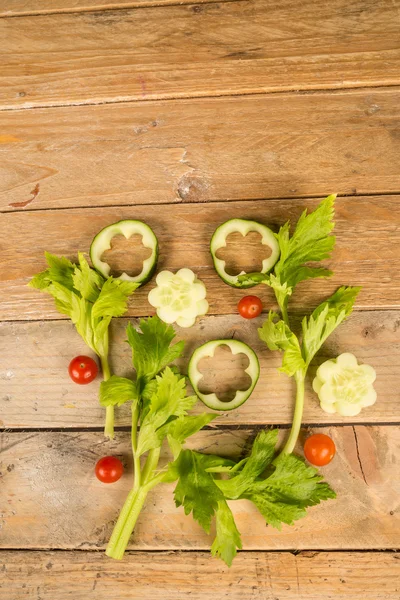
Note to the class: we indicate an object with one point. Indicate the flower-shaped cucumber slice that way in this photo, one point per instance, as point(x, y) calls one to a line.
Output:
point(208, 350)
point(102, 242)
point(345, 387)
point(179, 298)
point(244, 227)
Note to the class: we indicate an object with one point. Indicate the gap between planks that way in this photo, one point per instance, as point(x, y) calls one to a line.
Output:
point(223, 427)
point(287, 92)
point(206, 201)
point(109, 8)
point(205, 553)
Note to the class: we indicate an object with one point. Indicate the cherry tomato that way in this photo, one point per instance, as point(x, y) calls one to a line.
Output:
point(83, 369)
point(109, 469)
point(250, 307)
point(319, 449)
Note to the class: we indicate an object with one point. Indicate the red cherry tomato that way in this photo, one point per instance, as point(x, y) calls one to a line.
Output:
point(109, 469)
point(319, 449)
point(250, 307)
point(83, 369)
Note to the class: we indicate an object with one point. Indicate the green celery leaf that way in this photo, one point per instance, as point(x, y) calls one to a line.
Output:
point(60, 270)
point(310, 242)
point(168, 402)
point(262, 454)
point(117, 390)
point(228, 539)
point(212, 461)
point(100, 335)
point(278, 336)
point(113, 298)
point(84, 325)
point(283, 496)
point(325, 318)
point(40, 281)
point(275, 512)
point(184, 427)
point(83, 295)
point(151, 350)
point(86, 280)
point(196, 490)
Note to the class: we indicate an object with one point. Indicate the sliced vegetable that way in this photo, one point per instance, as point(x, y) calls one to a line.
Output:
point(345, 387)
point(102, 242)
point(208, 350)
point(83, 369)
point(109, 469)
point(243, 226)
point(179, 298)
point(319, 449)
point(250, 307)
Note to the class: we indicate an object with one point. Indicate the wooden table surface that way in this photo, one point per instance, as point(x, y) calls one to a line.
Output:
point(185, 115)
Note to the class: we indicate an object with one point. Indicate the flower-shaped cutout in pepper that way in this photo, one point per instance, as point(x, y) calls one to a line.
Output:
point(179, 298)
point(345, 387)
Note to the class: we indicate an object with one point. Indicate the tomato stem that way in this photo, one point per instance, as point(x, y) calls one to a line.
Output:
point(298, 413)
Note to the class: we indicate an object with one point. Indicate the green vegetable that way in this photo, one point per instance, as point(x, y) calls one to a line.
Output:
point(90, 301)
point(244, 227)
point(102, 242)
point(345, 387)
point(160, 404)
point(311, 241)
point(281, 487)
point(208, 350)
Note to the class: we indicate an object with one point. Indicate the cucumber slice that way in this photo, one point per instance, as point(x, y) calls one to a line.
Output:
point(244, 227)
point(179, 298)
point(102, 242)
point(345, 387)
point(208, 350)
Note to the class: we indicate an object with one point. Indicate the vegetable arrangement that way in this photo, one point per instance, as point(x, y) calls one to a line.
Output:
point(280, 485)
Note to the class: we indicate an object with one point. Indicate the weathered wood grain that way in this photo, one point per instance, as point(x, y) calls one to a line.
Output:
point(198, 50)
point(11, 8)
point(367, 250)
point(267, 146)
point(53, 500)
point(175, 575)
point(36, 391)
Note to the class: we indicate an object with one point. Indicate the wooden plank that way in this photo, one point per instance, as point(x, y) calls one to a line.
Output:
point(36, 391)
point(173, 576)
point(13, 8)
point(274, 146)
point(363, 255)
point(51, 498)
point(198, 50)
